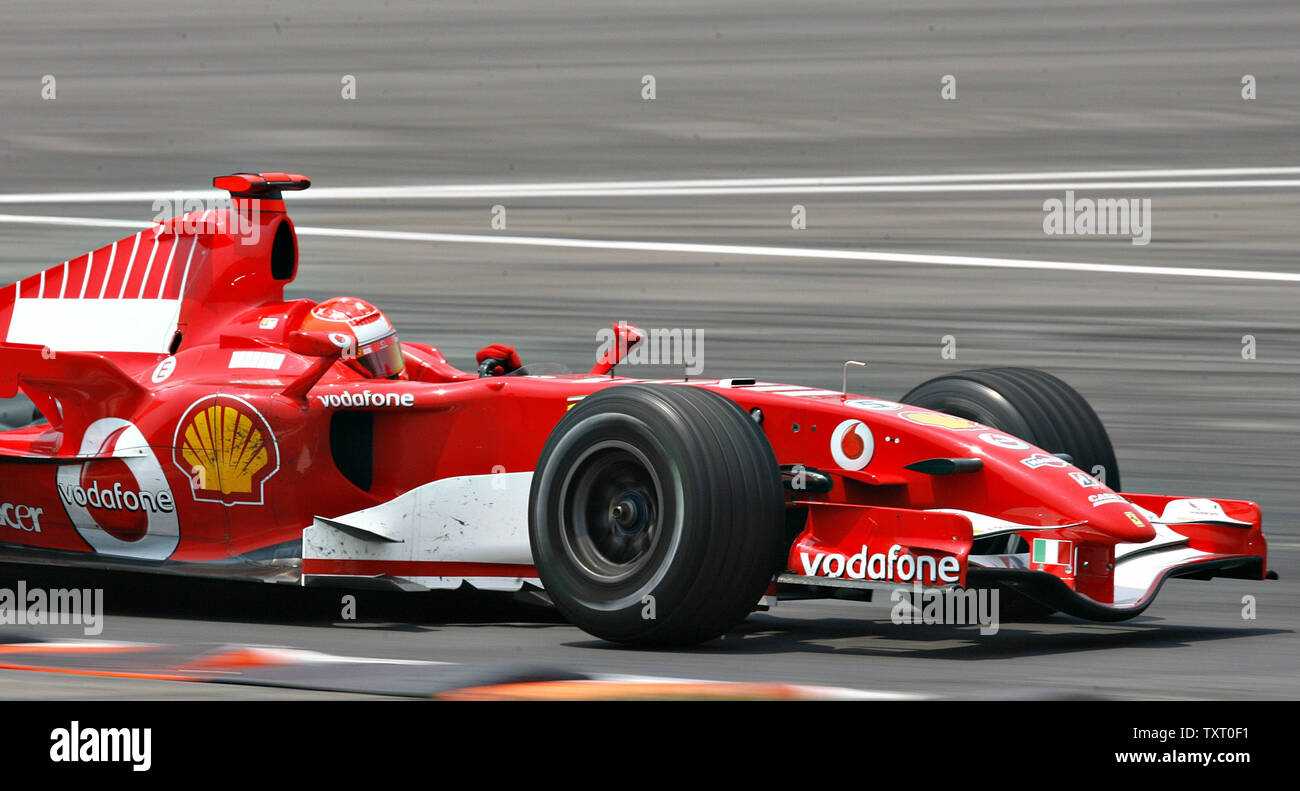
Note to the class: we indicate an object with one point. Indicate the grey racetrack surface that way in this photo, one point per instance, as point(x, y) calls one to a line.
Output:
point(166, 96)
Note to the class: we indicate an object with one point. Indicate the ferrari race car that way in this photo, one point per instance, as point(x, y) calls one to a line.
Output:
point(170, 411)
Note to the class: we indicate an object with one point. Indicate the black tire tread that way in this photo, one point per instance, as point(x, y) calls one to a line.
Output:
point(744, 514)
point(1060, 419)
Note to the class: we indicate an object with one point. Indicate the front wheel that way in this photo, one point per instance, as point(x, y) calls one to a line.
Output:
point(1034, 406)
point(1026, 403)
point(656, 514)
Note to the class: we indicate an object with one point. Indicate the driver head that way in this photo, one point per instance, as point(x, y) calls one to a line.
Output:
point(378, 349)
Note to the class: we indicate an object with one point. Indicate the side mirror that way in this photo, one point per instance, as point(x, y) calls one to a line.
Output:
point(327, 347)
point(320, 344)
point(620, 341)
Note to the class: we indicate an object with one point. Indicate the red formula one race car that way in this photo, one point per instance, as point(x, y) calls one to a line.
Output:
point(184, 417)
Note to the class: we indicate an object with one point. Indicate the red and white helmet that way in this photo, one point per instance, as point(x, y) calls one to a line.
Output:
point(378, 350)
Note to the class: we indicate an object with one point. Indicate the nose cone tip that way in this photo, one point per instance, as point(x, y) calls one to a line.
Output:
point(1128, 526)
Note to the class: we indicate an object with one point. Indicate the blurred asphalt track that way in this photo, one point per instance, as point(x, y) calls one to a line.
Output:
point(165, 96)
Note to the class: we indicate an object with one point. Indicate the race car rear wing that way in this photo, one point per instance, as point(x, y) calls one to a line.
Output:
point(185, 276)
point(260, 185)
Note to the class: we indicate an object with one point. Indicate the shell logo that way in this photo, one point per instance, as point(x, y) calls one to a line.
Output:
point(227, 450)
point(852, 445)
point(940, 420)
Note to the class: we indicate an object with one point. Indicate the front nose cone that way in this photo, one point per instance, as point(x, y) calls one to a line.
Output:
point(1124, 522)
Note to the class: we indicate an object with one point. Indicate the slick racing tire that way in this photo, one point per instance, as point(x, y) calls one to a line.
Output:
point(656, 515)
point(1029, 404)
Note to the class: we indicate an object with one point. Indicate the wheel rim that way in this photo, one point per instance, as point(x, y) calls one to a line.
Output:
point(611, 512)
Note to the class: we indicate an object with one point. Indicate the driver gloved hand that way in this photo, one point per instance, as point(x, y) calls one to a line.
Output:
point(499, 351)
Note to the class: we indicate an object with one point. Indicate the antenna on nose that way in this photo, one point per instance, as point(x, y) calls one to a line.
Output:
point(844, 382)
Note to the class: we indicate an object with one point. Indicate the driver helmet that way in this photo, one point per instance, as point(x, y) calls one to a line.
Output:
point(378, 352)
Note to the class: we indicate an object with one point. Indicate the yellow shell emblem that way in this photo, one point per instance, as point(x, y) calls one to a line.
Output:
point(941, 420)
point(227, 449)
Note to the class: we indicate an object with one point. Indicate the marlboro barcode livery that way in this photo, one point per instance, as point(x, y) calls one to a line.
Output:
point(178, 414)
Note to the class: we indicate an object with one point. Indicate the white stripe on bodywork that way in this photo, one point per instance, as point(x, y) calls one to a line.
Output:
point(108, 275)
point(984, 525)
point(766, 388)
point(167, 270)
point(148, 269)
point(1165, 537)
point(1135, 576)
point(1189, 510)
point(130, 266)
point(85, 275)
point(95, 325)
point(194, 243)
point(462, 519)
point(252, 359)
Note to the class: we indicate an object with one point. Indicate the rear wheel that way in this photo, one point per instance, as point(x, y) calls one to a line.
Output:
point(656, 514)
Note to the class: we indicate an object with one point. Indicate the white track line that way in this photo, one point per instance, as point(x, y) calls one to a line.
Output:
point(85, 222)
point(1151, 179)
point(930, 178)
point(457, 193)
point(804, 252)
point(732, 249)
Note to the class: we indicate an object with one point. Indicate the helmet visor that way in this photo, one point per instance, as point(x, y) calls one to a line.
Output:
point(383, 358)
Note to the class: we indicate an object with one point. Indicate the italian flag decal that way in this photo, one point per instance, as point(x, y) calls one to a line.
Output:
point(1051, 552)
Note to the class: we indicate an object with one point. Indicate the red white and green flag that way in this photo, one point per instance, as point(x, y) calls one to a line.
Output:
point(1052, 552)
